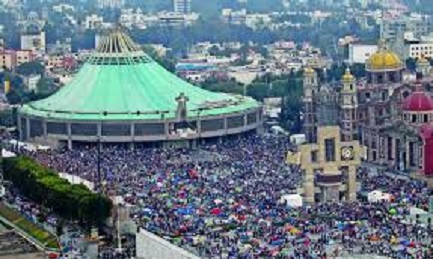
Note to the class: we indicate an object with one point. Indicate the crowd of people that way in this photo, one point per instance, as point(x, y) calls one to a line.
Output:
point(224, 200)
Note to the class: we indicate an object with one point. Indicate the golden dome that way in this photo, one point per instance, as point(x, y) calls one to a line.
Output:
point(384, 60)
point(347, 76)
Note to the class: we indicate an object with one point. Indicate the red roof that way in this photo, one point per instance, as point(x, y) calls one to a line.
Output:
point(417, 102)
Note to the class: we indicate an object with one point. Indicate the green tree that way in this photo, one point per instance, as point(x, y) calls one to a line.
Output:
point(31, 68)
point(411, 64)
point(44, 186)
point(229, 86)
point(45, 87)
point(167, 61)
point(258, 91)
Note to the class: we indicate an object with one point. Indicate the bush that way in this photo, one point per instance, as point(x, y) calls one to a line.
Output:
point(44, 186)
point(22, 223)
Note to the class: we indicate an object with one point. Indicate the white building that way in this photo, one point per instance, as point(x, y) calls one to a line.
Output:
point(418, 49)
point(111, 3)
point(234, 17)
point(255, 21)
point(407, 45)
point(34, 41)
point(182, 6)
point(32, 82)
point(93, 22)
point(418, 24)
point(359, 53)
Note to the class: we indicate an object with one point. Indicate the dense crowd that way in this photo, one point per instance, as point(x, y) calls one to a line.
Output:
point(224, 200)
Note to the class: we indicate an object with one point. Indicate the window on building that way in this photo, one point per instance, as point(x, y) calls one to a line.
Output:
point(411, 154)
point(425, 117)
point(390, 148)
point(314, 157)
point(330, 149)
point(379, 79)
point(413, 118)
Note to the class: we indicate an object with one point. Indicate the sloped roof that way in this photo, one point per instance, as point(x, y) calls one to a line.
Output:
point(120, 82)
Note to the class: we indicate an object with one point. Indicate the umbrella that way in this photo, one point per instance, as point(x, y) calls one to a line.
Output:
point(217, 201)
point(374, 238)
point(392, 211)
point(184, 211)
point(215, 211)
point(285, 252)
point(295, 231)
point(399, 248)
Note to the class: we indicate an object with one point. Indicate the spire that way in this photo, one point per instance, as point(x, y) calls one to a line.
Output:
point(381, 45)
point(117, 48)
point(348, 75)
point(117, 42)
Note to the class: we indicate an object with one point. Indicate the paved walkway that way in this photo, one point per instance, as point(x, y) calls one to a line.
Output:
point(24, 256)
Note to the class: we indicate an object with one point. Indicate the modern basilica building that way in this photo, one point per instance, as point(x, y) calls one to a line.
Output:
point(121, 95)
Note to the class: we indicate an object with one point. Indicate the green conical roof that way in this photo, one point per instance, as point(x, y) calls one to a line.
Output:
point(120, 82)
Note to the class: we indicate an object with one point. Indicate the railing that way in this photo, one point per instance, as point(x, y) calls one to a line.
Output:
point(28, 237)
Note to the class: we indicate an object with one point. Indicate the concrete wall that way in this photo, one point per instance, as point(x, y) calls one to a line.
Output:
point(150, 246)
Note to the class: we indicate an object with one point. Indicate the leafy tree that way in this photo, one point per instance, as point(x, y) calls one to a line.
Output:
point(31, 68)
point(167, 61)
point(292, 103)
point(258, 91)
point(229, 86)
point(358, 70)
point(14, 97)
point(411, 64)
point(7, 118)
point(45, 87)
point(44, 186)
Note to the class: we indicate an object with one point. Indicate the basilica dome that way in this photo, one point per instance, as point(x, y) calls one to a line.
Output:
point(384, 60)
point(418, 102)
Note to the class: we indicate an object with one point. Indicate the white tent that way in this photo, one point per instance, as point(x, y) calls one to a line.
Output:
point(73, 179)
point(376, 196)
point(292, 200)
point(7, 154)
point(26, 146)
point(43, 148)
